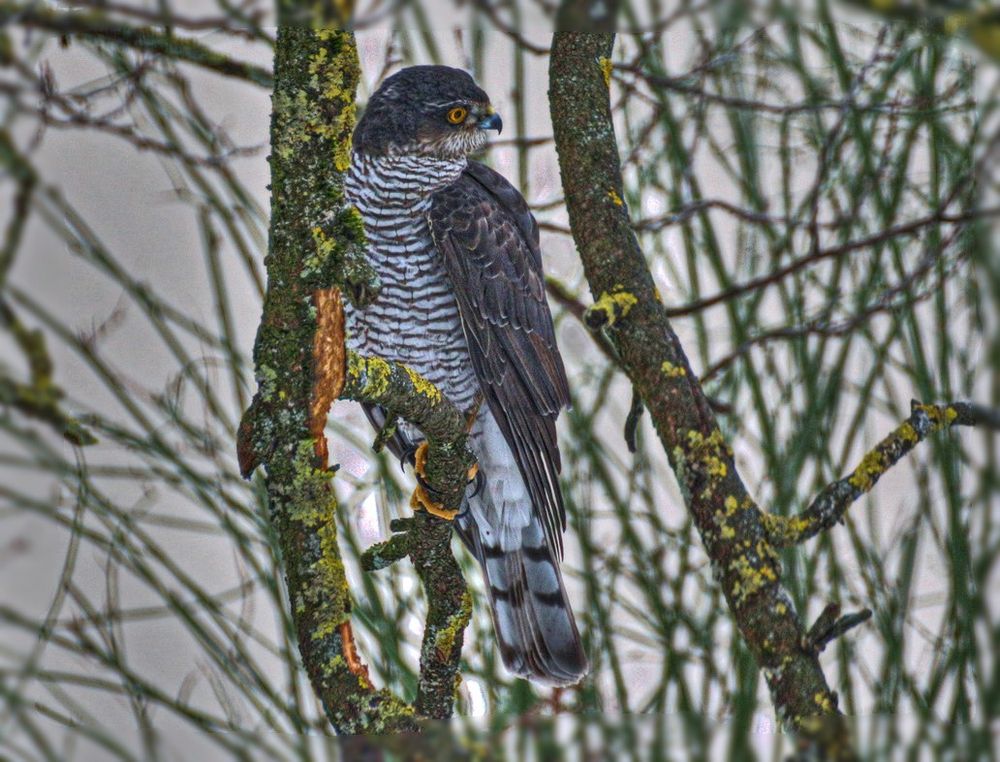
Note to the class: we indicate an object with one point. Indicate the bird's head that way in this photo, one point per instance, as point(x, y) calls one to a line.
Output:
point(426, 111)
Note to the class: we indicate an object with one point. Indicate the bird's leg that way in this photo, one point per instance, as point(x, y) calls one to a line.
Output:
point(470, 419)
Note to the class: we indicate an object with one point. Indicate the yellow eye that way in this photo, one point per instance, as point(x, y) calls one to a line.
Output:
point(457, 115)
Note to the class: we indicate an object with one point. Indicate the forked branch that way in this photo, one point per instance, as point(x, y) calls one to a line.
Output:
point(830, 505)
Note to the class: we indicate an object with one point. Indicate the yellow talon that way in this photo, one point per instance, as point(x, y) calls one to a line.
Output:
point(420, 459)
point(421, 501)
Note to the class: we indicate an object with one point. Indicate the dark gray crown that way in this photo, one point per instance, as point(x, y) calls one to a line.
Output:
point(410, 106)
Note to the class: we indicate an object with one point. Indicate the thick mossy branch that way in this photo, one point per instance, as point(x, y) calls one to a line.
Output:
point(295, 356)
point(316, 254)
point(425, 540)
point(830, 505)
point(743, 558)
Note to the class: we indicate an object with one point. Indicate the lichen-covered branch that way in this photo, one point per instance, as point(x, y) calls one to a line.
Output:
point(832, 502)
point(316, 253)
point(425, 539)
point(743, 558)
point(405, 394)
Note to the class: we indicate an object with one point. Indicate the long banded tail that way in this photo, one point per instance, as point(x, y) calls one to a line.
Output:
point(536, 632)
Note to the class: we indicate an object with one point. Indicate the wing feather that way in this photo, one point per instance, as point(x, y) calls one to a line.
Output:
point(488, 240)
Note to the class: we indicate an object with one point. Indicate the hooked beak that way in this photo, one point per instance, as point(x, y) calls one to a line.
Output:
point(491, 122)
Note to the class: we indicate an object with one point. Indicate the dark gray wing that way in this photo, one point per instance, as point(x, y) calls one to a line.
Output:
point(488, 240)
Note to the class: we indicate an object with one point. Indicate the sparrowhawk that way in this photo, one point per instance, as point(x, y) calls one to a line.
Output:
point(462, 302)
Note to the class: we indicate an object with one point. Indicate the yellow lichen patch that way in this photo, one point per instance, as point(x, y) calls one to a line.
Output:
point(606, 68)
point(731, 504)
point(750, 579)
point(615, 198)
point(785, 530)
point(823, 701)
point(767, 555)
point(334, 664)
point(345, 124)
point(753, 575)
point(611, 307)
point(727, 532)
point(444, 641)
point(869, 471)
point(708, 456)
point(326, 246)
point(423, 386)
point(780, 608)
point(372, 372)
point(907, 433)
point(670, 370)
point(939, 416)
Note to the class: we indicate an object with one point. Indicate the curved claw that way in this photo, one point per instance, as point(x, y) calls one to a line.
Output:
point(425, 486)
point(409, 455)
point(477, 479)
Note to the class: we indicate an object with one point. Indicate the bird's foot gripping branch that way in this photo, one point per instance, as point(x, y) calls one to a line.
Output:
point(425, 497)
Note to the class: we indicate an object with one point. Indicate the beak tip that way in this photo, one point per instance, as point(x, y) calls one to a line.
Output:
point(492, 122)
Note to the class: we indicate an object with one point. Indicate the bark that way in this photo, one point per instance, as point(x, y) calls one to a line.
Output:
point(629, 309)
point(316, 253)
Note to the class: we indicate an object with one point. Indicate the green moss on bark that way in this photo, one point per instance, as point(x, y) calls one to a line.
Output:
point(317, 243)
point(311, 235)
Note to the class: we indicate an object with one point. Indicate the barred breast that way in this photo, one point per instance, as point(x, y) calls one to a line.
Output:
point(415, 319)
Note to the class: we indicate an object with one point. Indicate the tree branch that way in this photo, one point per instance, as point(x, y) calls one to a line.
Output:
point(729, 522)
point(830, 505)
point(94, 25)
point(39, 398)
point(302, 366)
